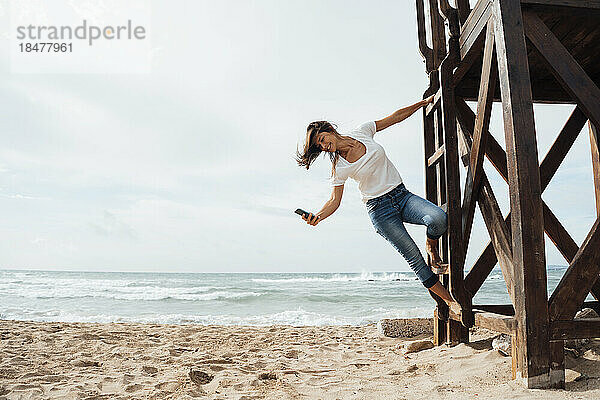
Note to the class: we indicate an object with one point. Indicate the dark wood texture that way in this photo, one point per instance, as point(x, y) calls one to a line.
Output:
point(595, 148)
point(566, 3)
point(495, 322)
point(576, 329)
point(426, 51)
point(497, 228)
point(561, 146)
point(436, 157)
point(557, 364)
point(482, 122)
point(531, 305)
point(565, 68)
point(503, 309)
point(575, 26)
point(579, 278)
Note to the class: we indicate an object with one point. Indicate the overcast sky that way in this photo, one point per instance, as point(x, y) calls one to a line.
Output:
point(190, 168)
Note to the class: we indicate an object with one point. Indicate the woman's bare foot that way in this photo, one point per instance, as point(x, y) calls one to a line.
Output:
point(441, 291)
point(437, 266)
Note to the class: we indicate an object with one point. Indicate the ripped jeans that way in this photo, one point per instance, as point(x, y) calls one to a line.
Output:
point(388, 214)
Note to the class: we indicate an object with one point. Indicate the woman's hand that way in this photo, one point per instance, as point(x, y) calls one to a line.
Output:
point(312, 219)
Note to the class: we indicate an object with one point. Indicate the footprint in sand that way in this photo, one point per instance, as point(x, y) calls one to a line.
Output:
point(133, 387)
point(150, 370)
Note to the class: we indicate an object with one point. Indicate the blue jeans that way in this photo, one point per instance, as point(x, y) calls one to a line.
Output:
point(390, 211)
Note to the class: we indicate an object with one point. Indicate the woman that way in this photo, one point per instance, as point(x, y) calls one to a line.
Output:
point(389, 203)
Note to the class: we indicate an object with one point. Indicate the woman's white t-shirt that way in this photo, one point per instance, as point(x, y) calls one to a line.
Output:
point(374, 172)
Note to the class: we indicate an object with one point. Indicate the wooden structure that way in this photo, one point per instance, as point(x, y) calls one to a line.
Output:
point(516, 52)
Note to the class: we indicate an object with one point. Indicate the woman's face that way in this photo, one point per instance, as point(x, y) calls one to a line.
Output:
point(326, 141)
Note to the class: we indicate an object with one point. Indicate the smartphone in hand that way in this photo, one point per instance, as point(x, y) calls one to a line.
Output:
point(303, 213)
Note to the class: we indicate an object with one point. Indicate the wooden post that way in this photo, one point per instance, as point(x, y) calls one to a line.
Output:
point(531, 303)
point(595, 147)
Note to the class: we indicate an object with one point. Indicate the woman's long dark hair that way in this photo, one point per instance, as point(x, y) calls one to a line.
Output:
point(312, 150)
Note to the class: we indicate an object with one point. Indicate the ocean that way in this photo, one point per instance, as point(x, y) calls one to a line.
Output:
point(226, 298)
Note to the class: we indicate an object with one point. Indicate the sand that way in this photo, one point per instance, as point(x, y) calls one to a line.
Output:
point(43, 360)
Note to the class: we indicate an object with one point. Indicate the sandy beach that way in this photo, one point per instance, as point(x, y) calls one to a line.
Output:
point(43, 360)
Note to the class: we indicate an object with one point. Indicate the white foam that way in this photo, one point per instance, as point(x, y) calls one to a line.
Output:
point(296, 317)
point(365, 276)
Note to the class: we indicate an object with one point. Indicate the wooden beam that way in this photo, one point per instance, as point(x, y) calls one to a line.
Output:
point(531, 305)
point(468, 57)
point(561, 146)
point(429, 140)
point(482, 123)
point(499, 234)
point(436, 157)
point(497, 156)
point(497, 228)
point(503, 309)
point(481, 269)
point(474, 26)
point(594, 4)
point(559, 235)
point(452, 185)
point(579, 278)
point(557, 364)
point(595, 148)
point(495, 322)
point(575, 329)
point(436, 102)
point(565, 69)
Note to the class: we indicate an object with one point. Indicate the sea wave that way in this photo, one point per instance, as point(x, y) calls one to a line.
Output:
point(294, 317)
point(363, 277)
point(148, 293)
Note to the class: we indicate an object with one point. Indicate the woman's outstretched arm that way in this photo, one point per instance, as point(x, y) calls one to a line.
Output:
point(329, 208)
point(401, 114)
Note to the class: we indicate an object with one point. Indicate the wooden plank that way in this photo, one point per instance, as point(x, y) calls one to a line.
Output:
point(595, 148)
point(577, 281)
point(495, 153)
point(575, 329)
point(436, 157)
point(514, 355)
point(481, 269)
point(454, 232)
point(474, 25)
point(595, 4)
point(559, 235)
point(564, 67)
point(502, 309)
point(528, 252)
point(429, 140)
point(557, 364)
point(499, 234)
point(436, 102)
point(497, 228)
point(468, 57)
point(495, 322)
point(482, 122)
point(439, 328)
point(561, 146)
